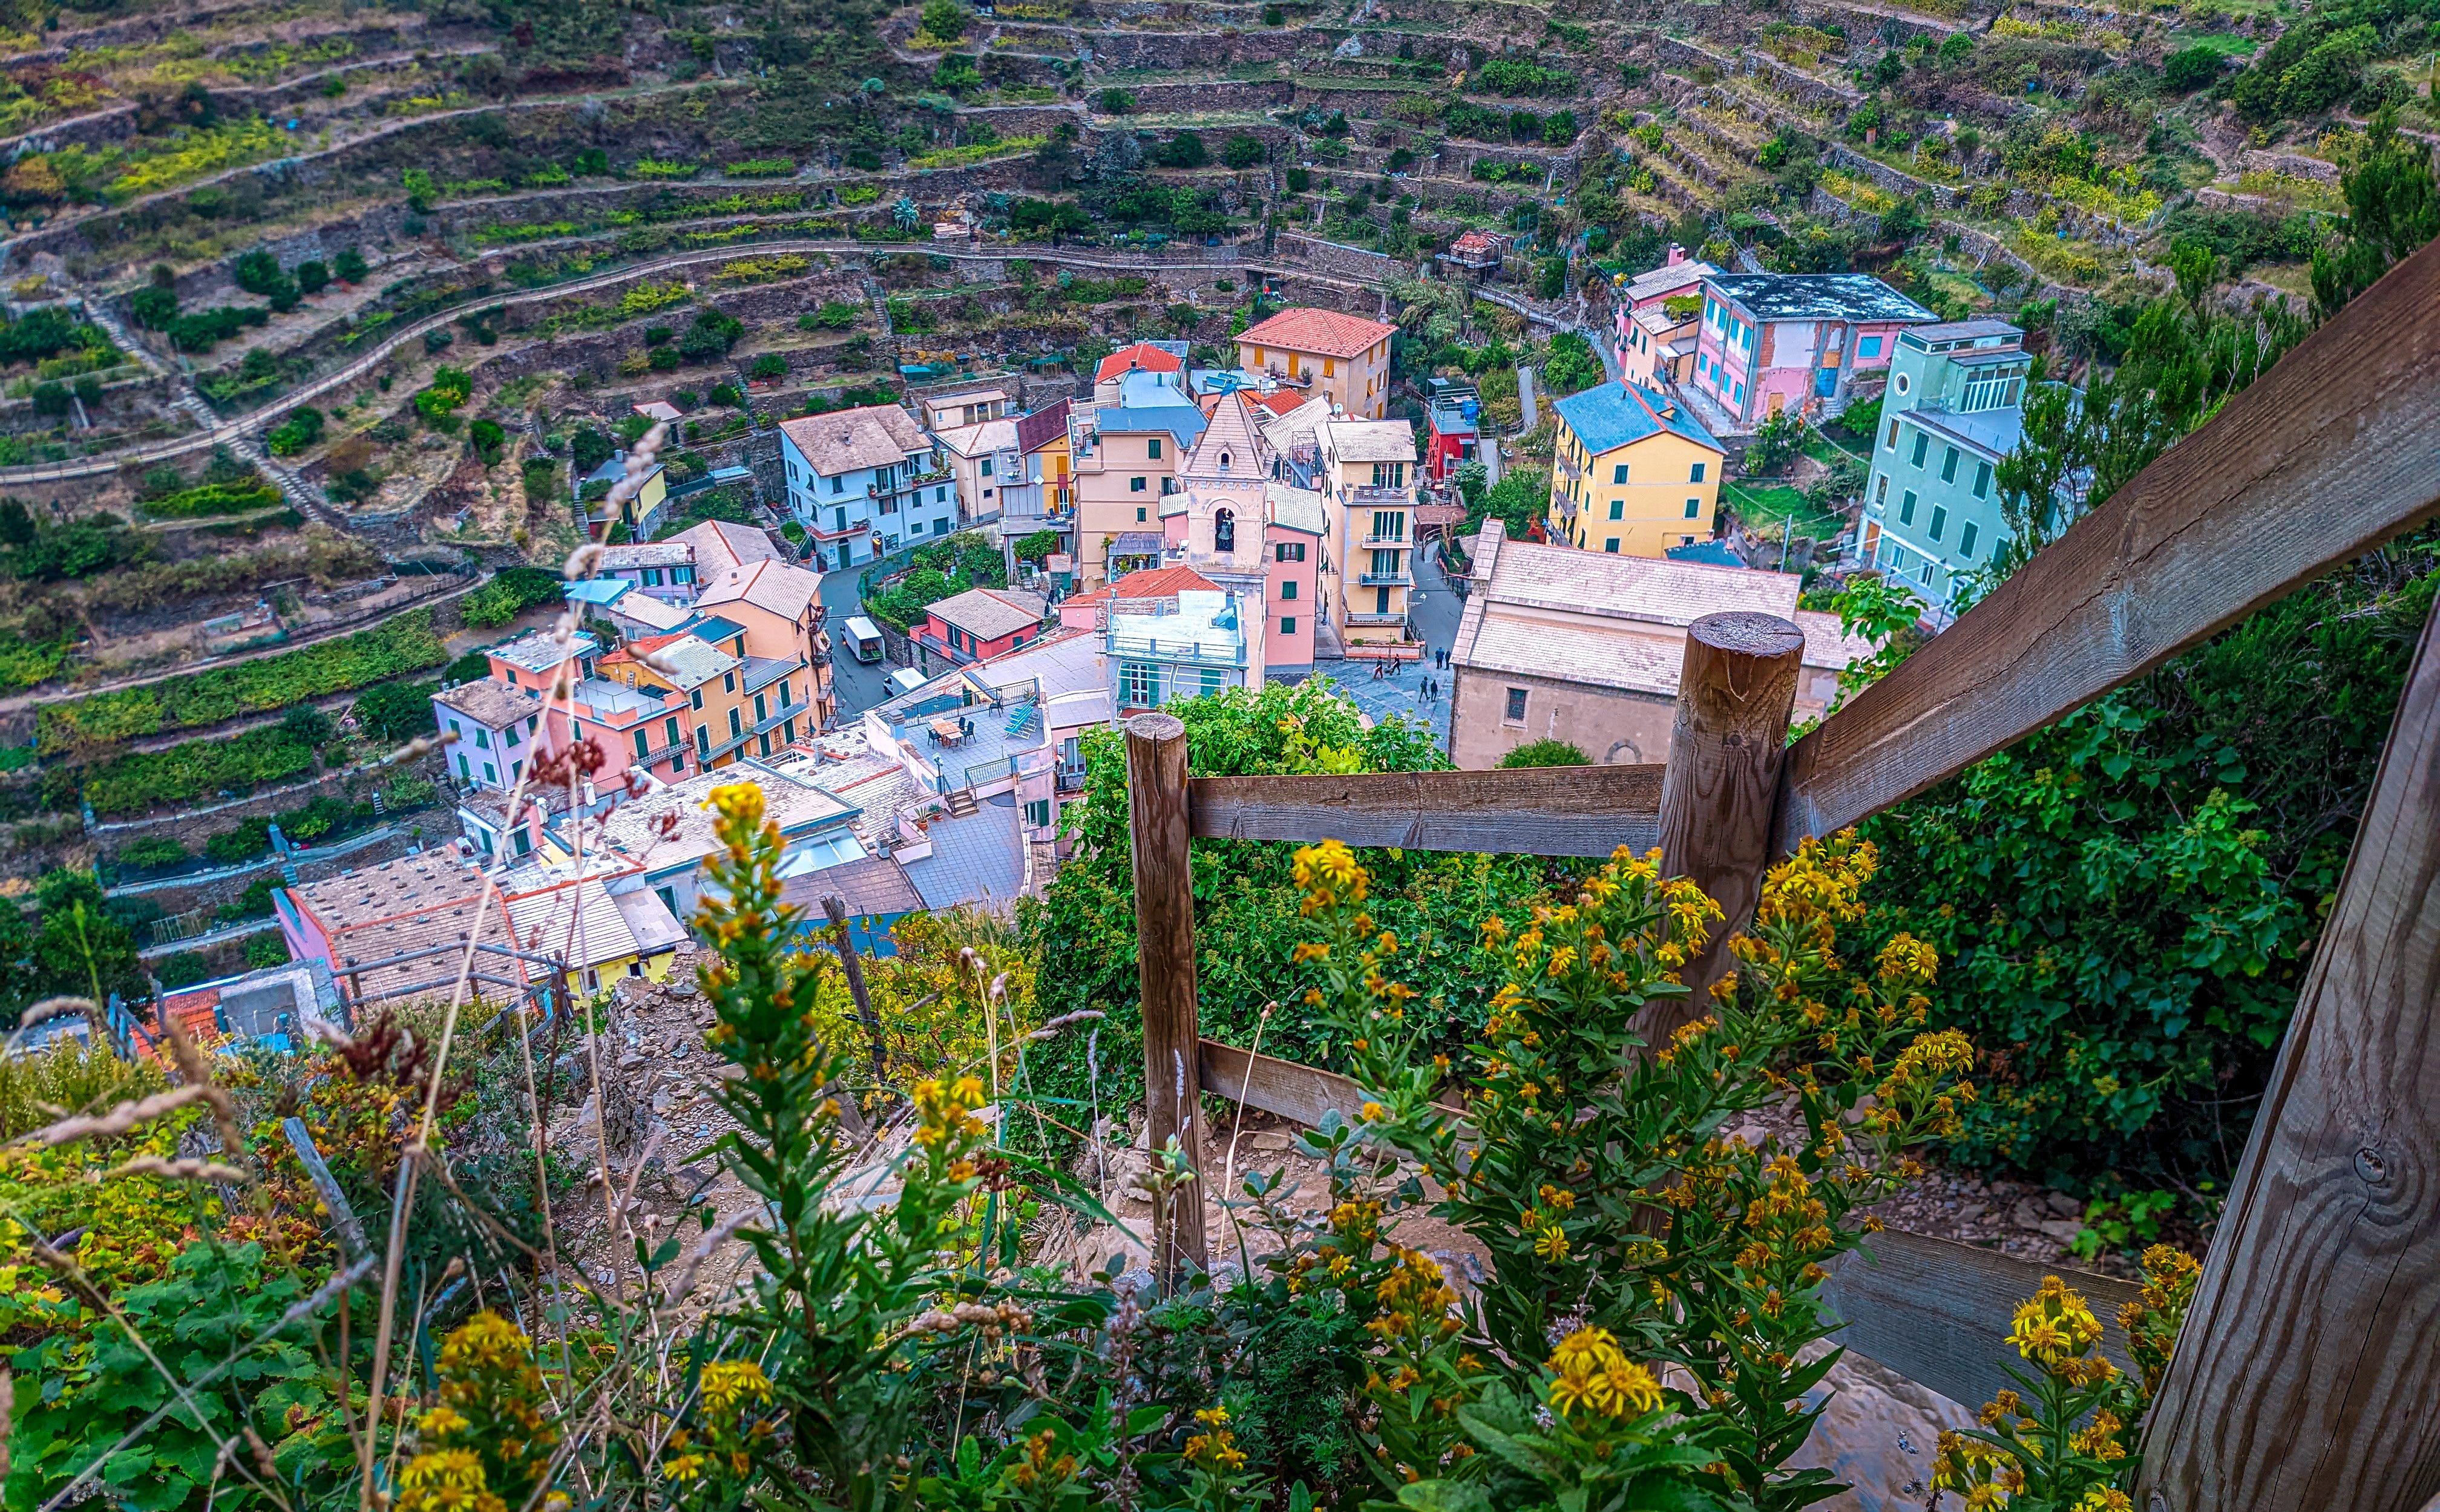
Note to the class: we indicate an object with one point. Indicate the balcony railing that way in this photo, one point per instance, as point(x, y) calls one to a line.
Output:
point(1375, 496)
point(1386, 579)
point(1376, 619)
point(1151, 649)
point(661, 753)
point(1386, 543)
point(1071, 779)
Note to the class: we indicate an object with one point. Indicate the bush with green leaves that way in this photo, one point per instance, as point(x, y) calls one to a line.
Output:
point(511, 592)
point(299, 430)
point(394, 712)
point(1547, 753)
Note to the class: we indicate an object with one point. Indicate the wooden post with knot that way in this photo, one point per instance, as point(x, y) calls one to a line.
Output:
point(1734, 700)
point(1156, 811)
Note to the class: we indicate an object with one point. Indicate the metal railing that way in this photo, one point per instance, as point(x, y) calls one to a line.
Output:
point(1386, 579)
point(1386, 543)
point(1376, 619)
point(1148, 649)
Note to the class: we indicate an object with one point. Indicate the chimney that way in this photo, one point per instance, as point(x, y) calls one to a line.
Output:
point(1677, 255)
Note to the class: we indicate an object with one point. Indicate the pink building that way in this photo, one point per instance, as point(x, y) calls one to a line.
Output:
point(1773, 342)
point(1680, 275)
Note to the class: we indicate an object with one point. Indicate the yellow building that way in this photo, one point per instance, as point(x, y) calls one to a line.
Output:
point(1635, 474)
point(1342, 356)
point(706, 673)
point(1368, 487)
point(1125, 478)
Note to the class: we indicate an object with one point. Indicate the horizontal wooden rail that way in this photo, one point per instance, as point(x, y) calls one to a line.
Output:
point(1537, 812)
point(1933, 1310)
point(2334, 451)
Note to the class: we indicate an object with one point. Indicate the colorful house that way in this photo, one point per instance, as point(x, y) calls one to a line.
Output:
point(1636, 473)
point(1658, 312)
point(979, 623)
point(1772, 342)
point(1367, 479)
point(1955, 405)
point(863, 482)
point(787, 652)
point(1345, 357)
point(1452, 427)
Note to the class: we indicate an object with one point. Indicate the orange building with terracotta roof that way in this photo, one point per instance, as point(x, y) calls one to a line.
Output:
point(1342, 356)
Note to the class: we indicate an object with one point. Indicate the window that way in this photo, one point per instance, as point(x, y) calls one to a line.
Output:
point(761, 708)
point(1869, 346)
point(1966, 541)
point(1135, 486)
point(1881, 489)
point(1288, 551)
point(703, 741)
point(1515, 714)
point(1903, 384)
point(1618, 509)
point(1288, 589)
point(1906, 507)
point(1982, 481)
point(1949, 466)
point(940, 527)
point(1939, 519)
point(1693, 509)
point(463, 770)
point(482, 739)
point(669, 729)
point(785, 699)
point(987, 461)
point(1223, 531)
point(1152, 450)
point(1611, 546)
point(695, 698)
point(736, 723)
point(838, 485)
point(728, 681)
point(490, 775)
point(842, 518)
point(1330, 368)
point(1287, 627)
point(1389, 525)
point(455, 733)
point(1389, 474)
point(1893, 436)
point(509, 736)
point(1922, 445)
point(1037, 812)
point(1138, 685)
point(1696, 475)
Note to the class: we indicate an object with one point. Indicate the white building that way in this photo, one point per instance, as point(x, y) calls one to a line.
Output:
point(865, 482)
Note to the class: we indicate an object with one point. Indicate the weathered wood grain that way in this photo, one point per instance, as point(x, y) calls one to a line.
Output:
point(2308, 1372)
point(1736, 695)
point(1936, 1311)
point(1165, 965)
point(2332, 452)
point(1538, 811)
point(1932, 1310)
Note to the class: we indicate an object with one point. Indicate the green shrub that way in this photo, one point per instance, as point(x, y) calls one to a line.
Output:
point(302, 429)
point(1546, 754)
point(151, 853)
point(1515, 75)
point(406, 643)
point(1116, 101)
point(2129, 900)
point(395, 712)
point(209, 499)
point(267, 951)
point(232, 847)
point(511, 592)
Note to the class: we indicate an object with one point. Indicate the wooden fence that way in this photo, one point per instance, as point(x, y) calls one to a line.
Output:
point(2309, 1376)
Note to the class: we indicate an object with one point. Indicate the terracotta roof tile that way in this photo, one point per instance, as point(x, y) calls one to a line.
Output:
point(1324, 332)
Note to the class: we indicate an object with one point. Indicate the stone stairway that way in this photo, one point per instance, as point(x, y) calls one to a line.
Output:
point(101, 315)
point(961, 803)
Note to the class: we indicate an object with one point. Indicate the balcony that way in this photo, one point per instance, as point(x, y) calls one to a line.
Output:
point(655, 757)
point(1371, 497)
point(1071, 779)
point(1398, 619)
point(1386, 543)
point(853, 527)
point(1400, 578)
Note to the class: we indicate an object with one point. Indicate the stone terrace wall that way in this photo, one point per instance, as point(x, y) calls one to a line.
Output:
point(1334, 260)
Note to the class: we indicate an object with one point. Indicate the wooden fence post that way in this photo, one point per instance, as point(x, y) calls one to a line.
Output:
point(1734, 699)
point(1165, 967)
point(2307, 1376)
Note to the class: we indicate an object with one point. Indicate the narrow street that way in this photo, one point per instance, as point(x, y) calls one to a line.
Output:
point(1434, 608)
point(857, 686)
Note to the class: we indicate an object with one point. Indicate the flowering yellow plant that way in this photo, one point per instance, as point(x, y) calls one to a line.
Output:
point(1618, 1216)
point(2065, 1442)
